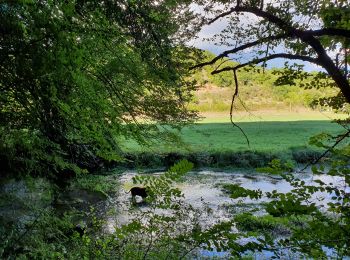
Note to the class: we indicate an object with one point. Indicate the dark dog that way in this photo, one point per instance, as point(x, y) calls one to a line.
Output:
point(138, 191)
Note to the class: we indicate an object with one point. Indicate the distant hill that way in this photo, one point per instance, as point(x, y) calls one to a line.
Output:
point(257, 90)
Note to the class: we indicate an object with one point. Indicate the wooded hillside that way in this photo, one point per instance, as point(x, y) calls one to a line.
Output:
point(260, 89)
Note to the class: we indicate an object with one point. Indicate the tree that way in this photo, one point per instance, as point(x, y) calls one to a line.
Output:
point(76, 76)
point(306, 31)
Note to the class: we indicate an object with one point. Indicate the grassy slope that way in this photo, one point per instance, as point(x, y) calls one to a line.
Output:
point(257, 89)
point(270, 115)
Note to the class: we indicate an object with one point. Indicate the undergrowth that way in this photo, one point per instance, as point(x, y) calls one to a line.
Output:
point(240, 159)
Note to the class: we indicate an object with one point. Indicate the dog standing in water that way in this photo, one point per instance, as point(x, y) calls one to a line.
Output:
point(138, 191)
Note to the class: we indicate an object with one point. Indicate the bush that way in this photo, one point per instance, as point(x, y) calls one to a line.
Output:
point(304, 154)
point(218, 159)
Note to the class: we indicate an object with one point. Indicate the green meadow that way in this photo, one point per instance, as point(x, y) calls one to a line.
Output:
point(267, 132)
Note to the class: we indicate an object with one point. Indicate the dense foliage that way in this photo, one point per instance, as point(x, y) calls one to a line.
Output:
point(77, 75)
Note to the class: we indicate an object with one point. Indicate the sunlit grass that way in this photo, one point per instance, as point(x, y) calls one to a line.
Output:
point(267, 132)
point(266, 115)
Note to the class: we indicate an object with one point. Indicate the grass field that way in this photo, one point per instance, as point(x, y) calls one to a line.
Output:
point(270, 115)
point(267, 131)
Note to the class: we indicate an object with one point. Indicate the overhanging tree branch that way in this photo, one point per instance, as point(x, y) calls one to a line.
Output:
point(270, 57)
point(241, 48)
point(330, 32)
point(281, 23)
point(258, 12)
point(340, 139)
point(306, 36)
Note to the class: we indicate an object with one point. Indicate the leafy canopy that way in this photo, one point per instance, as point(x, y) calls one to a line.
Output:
point(77, 75)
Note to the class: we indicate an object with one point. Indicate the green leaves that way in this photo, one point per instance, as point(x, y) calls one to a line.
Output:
point(236, 191)
point(289, 205)
point(161, 187)
point(77, 75)
point(178, 170)
point(316, 209)
point(276, 166)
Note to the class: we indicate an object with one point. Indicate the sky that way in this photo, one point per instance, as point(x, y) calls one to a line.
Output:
point(209, 31)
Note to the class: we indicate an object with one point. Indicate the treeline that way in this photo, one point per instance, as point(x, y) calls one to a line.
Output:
point(259, 89)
